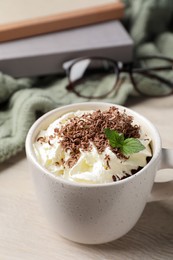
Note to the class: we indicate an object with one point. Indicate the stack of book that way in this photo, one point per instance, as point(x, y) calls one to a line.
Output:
point(37, 39)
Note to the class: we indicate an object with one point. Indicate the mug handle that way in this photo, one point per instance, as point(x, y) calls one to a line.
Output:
point(163, 190)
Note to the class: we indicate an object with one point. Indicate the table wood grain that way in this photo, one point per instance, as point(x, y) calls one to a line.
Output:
point(25, 232)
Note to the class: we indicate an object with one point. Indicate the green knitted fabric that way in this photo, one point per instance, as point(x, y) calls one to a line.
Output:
point(23, 100)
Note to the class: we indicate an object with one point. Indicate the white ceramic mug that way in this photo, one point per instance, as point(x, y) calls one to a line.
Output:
point(95, 213)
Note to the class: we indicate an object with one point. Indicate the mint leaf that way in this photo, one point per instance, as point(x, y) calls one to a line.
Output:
point(115, 139)
point(132, 145)
point(126, 146)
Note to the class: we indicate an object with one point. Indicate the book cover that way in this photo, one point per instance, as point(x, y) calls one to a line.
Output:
point(19, 19)
point(45, 54)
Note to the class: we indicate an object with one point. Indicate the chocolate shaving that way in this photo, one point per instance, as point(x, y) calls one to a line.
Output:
point(79, 132)
point(49, 143)
point(114, 178)
point(107, 159)
point(42, 139)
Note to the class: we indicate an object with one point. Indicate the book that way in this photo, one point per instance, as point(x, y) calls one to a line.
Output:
point(19, 19)
point(45, 54)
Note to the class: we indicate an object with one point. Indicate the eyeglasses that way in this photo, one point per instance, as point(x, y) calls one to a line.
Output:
point(97, 77)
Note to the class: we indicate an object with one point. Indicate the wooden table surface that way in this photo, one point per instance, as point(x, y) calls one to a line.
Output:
point(26, 234)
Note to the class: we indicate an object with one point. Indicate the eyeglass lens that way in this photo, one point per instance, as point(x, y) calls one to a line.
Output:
point(93, 77)
point(149, 83)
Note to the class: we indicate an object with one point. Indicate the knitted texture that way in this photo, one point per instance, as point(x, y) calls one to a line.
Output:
point(23, 100)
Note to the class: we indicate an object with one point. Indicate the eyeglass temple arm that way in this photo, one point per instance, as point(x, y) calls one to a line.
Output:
point(152, 69)
point(131, 69)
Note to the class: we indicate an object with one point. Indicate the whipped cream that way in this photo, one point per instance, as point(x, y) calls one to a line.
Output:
point(91, 167)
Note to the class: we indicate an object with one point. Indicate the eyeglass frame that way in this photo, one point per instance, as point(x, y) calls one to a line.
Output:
point(128, 68)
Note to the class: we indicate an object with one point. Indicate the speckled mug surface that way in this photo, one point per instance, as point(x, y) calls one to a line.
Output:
point(93, 213)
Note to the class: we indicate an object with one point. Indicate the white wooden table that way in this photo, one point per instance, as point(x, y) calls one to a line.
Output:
point(25, 233)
